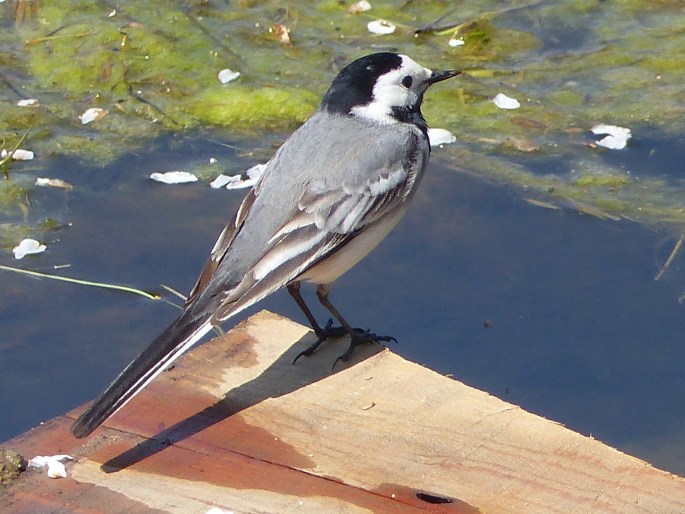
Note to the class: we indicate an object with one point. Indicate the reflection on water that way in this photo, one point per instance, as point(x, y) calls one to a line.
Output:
point(548, 309)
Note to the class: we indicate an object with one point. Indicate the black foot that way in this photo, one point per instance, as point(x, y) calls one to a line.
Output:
point(328, 331)
point(361, 337)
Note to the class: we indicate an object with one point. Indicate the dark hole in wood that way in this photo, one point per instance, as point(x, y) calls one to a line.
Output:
point(431, 498)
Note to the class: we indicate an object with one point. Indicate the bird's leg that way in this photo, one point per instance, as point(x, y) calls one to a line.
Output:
point(322, 291)
point(321, 333)
point(357, 335)
point(294, 291)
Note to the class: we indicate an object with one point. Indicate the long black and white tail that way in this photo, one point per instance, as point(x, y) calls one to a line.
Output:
point(183, 333)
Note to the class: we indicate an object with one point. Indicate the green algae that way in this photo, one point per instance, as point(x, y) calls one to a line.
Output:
point(602, 180)
point(13, 197)
point(611, 196)
point(257, 110)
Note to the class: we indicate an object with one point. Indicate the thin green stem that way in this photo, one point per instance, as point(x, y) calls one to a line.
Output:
point(125, 289)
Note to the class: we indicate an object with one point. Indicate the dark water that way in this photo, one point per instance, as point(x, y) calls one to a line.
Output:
point(549, 309)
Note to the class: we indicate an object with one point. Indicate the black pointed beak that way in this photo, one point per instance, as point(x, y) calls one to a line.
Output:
point(438, 76)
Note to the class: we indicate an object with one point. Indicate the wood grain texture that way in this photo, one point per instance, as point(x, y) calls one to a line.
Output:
point(235, 425)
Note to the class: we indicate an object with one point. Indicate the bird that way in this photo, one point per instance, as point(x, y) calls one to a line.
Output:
point(335, 188)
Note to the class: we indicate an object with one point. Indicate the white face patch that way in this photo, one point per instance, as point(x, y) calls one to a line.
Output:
point(390, 92)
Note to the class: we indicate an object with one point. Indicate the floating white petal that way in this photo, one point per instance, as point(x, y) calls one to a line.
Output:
point(54, 463)
point(174, 177)
point(236, 181)
point(53, 182)
point(18, 155)
point(27, 247)
point(381, 27)
point(223, 180)
point(226, 75)
point(456, 41)
point(28, 102)
point(241, 184)
point(92, 114)
point(359, 7)
point(438, 136)
point(506, 102)
point(256, 171)
point(616, 139)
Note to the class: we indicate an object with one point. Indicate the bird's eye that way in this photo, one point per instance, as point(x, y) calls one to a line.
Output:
point(407, 81)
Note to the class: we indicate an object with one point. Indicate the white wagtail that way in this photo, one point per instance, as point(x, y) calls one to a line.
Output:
point(327, 197)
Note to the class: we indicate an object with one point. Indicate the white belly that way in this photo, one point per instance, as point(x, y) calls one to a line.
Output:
point(328, 270)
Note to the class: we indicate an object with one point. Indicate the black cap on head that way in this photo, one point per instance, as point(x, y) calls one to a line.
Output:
point(354, 84)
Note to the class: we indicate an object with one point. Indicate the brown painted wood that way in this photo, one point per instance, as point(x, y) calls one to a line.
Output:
point(235, 425)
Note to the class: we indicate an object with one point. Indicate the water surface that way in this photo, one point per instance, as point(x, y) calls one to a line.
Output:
point(552, 310)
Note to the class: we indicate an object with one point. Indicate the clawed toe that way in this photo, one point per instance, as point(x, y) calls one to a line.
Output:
point(359, 337)
point(328, 331)
point(373, 338)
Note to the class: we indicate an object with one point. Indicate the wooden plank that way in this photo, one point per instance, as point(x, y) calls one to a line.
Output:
point(236, 425)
